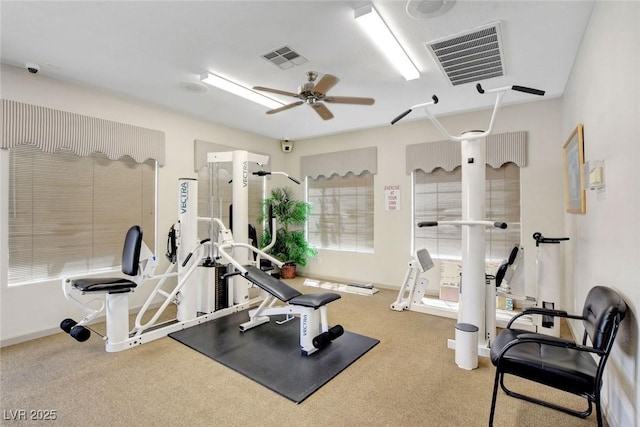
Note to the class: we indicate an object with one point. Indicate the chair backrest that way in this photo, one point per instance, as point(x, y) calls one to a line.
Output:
point(131, 251)
point(603, 310)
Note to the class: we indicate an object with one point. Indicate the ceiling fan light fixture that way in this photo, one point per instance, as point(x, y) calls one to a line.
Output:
point(239, 90)
point(382, 36)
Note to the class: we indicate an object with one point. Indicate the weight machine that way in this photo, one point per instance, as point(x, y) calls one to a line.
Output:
point(477, 301)
point(197, 291)
point(111, 295)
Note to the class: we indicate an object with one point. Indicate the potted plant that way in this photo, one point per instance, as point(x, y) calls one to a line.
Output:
point(290, 246)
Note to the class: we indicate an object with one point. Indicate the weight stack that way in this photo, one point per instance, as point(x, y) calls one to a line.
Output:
point(221, 287)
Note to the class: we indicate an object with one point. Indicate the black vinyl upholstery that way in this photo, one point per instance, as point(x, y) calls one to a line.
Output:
point(284, 292)
point(130, 266)
point(557, 362)
point(275, 287)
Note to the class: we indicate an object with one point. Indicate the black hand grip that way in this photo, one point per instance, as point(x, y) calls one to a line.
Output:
point(203, 241)
point(294, 180)
point(502, 225)
point(528, 90)
point(261, 173)
point(186, 260)
point(428, 224)
point(394, 121)
point(435, 99)
point(233, 273)
point(479, 88)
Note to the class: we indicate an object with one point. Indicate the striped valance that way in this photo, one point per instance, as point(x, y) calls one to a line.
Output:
point(500, 148)
point(340, 163)
point(52, 130)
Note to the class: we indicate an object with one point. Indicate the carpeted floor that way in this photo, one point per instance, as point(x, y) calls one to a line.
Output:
point(409, 379)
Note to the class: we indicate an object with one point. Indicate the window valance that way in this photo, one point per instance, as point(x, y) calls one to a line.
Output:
point(340, 163)
point(52, 130)
point(500, 148)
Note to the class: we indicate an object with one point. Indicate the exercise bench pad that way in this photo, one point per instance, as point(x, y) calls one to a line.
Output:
point(275, 287)
point(104, 284)
point(314, 300)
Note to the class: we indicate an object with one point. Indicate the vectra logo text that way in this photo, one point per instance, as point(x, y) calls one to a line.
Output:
point(245, 173)
point(184, 196)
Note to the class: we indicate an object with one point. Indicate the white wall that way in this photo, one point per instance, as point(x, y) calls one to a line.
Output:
point(603, 93)
point(541, 187)
point(35, 309)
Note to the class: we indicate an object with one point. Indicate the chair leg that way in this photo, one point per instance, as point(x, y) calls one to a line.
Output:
point(579, 414)
point(494, 398)
point(598, 408)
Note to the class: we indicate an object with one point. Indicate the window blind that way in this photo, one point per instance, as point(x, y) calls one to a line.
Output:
point(438, 196)
point(68, 214)
point(342, 212)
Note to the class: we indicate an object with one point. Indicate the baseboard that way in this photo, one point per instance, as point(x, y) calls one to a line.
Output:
point(28, 337)
point(56, 330)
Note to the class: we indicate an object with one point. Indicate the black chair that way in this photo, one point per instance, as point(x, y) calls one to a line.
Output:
point(557, 362)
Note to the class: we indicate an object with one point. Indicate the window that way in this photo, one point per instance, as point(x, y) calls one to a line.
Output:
point(342, 212)
point(69, 214)
point(438, 197)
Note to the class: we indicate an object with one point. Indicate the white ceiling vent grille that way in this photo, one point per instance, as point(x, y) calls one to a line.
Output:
point(470, 56)
point(285, 57)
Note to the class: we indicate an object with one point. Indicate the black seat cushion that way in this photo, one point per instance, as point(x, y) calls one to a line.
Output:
point(559, 367)
point(314, 300)
point(104, 284)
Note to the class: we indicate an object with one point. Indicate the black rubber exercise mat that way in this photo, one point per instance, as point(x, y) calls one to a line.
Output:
point(270, 354)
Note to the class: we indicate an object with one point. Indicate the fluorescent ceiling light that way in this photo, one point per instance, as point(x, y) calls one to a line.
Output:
point(236, 89)
point(375, 27)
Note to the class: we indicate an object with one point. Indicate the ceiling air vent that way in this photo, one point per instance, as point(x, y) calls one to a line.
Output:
point(285, 57)
point(470, 56)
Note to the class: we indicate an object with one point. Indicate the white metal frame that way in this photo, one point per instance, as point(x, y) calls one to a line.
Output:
point(116, 305)
point(477, 299)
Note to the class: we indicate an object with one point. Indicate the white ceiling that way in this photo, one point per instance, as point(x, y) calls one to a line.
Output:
point(149, 50)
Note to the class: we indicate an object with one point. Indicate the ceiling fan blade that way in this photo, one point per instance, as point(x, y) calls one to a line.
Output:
point(349, 100)
point(285, 107)
point(322, 111)
point(278, 91)
point(326, 82)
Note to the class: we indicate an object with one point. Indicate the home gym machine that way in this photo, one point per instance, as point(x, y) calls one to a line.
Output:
point(196, 293)
point(475, 306)
point(111, 295)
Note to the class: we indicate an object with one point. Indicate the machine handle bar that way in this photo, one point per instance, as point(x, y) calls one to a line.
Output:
point(434, 100)
point(265, 173)
point(517, 88)
point(186, 260)
point(539, 238)
point(496, 224)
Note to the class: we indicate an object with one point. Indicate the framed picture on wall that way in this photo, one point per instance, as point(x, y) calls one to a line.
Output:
point(573, 157)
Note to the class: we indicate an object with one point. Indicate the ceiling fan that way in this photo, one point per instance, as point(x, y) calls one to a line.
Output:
point(314, 94)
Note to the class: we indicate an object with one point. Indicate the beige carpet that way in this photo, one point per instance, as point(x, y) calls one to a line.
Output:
point(409, 379)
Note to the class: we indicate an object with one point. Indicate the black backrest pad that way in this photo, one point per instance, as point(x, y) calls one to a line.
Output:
point(131, 251)
point(275, 287)
point(601, 308)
